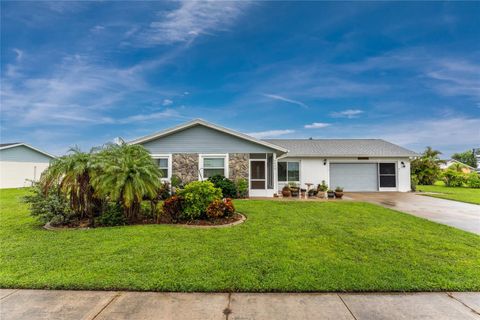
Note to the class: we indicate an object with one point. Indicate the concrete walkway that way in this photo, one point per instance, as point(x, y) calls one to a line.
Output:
point(457, 214)
point(56, 304)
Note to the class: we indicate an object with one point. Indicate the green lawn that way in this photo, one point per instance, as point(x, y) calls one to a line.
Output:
point(462, 194)
point(283, 246)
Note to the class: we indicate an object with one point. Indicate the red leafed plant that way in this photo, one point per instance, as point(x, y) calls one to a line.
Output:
point(229, 207)
point(216, 209)
point(173, 208)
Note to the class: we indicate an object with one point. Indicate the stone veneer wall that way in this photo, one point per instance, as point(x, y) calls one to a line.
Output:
point(238, 165)
point(185, 165)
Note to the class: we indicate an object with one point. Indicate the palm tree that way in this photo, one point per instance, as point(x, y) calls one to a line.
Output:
point(126, 174)
point(71, 173)
point(427, 167)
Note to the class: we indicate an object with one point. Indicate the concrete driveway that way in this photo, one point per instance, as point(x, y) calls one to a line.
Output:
point(460, 215)
point(106, 305)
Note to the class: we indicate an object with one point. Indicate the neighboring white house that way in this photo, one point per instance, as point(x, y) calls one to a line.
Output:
point(198, 149)
point(20, 164)
point(448, 163)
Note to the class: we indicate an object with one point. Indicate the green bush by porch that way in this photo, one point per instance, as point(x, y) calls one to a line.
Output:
point(283, 246)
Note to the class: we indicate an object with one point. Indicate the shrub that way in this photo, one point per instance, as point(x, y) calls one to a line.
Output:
point(173, 208)
point(228, 187)
point(112, 216)
point(50, 206)
point(473, 180)
point(216, 209)
point(413, 182)
point(198, 195)
point(453, 178)
point(242, 188)
point(427, 167)
point(220, 208)
point(163, 191)
point(229, 207)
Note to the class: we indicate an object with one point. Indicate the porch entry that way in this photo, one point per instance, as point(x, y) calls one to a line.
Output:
point(261, 175)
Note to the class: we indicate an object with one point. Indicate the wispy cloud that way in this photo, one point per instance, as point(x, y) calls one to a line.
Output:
point(190, 20)
point(278, 97)
point(270, 133)
point(349, 113)
point(163, 115)
point(317, 125)
point(167, 102)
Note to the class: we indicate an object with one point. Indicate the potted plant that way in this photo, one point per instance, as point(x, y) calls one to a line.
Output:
point(338, 192)
point(312, 193)
point(303, 192)
point(286, 192)
point(294, 189)
point(330, 194)
point(321, 189)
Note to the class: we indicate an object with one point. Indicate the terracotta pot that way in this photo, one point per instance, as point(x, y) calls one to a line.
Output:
point(321, 194)
point(338, 195)
point(286, 193)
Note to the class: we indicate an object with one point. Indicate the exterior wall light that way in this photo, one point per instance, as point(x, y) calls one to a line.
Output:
point(324, 162)
point(403, 164)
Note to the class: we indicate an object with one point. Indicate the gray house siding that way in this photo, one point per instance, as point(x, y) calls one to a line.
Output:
point(23, 154)
point(200, 139)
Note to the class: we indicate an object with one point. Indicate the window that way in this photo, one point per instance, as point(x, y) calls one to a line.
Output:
point(387, 175)
point(289, 171)
point(162, 164)
point(213, 166)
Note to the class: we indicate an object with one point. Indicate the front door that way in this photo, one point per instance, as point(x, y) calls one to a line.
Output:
point(258, 178)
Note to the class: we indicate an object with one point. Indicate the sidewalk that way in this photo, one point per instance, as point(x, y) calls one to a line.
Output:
point(56, 304)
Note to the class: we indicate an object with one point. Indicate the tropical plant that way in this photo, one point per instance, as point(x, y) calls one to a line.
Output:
point(427, 167)
point(51, 206)
point(216, 209)
point(458, 167)
point(413, 182)
point(126, 174)
point(173, 209)
point(453, 178)
point(322, 187)
point(466, 157)
point(111, 216)
point(473, 180)
point(229, 207)
point(228, 187)
point(242, 188)
point(72, 174)
point(198, 195)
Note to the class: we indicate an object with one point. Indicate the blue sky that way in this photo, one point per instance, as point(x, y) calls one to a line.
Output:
point(83, 73)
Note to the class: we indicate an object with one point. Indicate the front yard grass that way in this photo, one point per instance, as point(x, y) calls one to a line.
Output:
point(463, 194)
point(283, 246)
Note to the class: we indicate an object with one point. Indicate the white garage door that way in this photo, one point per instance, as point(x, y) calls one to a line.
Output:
point(354, 176)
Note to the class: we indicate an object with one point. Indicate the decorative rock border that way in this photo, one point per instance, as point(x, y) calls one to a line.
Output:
point(49, 227)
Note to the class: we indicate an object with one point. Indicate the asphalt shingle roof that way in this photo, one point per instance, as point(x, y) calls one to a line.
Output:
point(342, 148)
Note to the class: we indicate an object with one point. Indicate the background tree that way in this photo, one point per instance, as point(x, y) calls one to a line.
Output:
point(427, 167)
point(126, 174)
point(466, 157)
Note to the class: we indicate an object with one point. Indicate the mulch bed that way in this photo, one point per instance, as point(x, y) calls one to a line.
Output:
point(236, 218)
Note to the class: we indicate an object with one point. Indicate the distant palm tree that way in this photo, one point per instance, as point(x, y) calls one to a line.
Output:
point(72, 174)
point(126, 174)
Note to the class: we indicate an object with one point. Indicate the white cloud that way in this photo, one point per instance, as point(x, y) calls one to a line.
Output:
point(350, 113)
point(277, 97)
point(167, 102)
point(19, 54)
point(270, 133)
point(317, 125)
point(190, 20)
point(162, 115)
point(97, 28)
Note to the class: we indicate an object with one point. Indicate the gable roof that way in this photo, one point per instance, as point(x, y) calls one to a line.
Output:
point(4, 146)
point(342, 148)
point(451, 161)
point(201, 122)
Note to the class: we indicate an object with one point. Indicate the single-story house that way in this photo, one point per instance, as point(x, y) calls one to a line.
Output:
point(449, 162)
point(199, 149)
point(20, 164)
